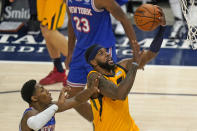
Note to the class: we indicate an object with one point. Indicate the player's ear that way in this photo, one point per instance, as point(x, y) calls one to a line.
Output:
point(34, 98)
point(93, 62)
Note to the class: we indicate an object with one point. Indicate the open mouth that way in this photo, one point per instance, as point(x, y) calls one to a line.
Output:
point(110, 61)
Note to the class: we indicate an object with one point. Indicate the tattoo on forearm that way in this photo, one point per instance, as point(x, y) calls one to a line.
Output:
point(106, 83)
point(129, 80)
point(84, 95)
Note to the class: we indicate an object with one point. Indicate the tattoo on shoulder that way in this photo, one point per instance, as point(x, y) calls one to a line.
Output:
point(93, 76)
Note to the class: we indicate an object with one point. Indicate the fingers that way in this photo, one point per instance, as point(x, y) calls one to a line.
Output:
point(162, 15)
point(66, 88)
point(67, 65)
point(62, 95)
point(67, 96)
point(158, 8)
point(141, 52)
point(96, 83)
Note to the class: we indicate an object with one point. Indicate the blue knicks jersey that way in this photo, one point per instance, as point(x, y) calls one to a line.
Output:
point(49, 126)
point(121, 2)
point(90, 24)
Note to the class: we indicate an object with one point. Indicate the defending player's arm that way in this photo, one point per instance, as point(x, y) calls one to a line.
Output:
point(109, 89)
point(81, 97)
point(71, 40)
point(113, 7)
point(155, 46)
point(37, 120)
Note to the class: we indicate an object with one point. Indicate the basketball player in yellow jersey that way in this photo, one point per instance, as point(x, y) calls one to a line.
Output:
point(51, 16)
point(110, 106)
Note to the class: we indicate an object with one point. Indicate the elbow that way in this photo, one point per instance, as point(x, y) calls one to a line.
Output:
point(90, 119)
point(121, 93)
point(32, 124)
point(121, 97)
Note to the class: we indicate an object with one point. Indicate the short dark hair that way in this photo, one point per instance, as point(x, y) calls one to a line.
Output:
point(28, 90)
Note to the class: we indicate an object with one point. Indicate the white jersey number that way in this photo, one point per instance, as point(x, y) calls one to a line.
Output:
point(82, 24)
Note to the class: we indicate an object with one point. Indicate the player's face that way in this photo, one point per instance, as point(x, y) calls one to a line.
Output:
point(104, 60)
point(43, 95)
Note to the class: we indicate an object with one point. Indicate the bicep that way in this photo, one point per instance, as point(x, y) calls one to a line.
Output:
point(126, 63)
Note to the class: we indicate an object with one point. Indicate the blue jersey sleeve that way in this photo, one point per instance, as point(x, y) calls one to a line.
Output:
point(121, 2)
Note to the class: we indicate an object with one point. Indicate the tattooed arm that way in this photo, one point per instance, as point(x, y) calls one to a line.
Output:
point(109, 89)
point(81, 97)
point(146, 57)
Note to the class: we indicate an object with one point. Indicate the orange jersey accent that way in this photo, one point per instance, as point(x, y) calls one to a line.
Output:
point(112, 115)
point(51, 13)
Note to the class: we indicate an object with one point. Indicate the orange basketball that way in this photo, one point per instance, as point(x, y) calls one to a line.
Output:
point(146, 17)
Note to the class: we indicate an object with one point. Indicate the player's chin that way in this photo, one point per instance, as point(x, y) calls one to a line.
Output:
point(111, 62)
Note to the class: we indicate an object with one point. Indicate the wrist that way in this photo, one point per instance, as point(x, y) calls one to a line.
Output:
point(135, 64)
point(54, 106)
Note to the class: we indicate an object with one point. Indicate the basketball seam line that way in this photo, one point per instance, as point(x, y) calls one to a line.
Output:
point(145, 23)
point(144, 16)
point(147, 10)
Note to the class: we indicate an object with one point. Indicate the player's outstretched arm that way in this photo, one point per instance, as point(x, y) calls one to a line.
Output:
point(81, 97)
point(156, 43)
point(109, 89)
point(36, 120)
point(155, 46)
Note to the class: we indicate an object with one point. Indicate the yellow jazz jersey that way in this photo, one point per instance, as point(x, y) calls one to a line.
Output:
point(51, 13)
point(112, 115)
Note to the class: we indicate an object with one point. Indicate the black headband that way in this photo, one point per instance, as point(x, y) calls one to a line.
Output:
point(94, 52)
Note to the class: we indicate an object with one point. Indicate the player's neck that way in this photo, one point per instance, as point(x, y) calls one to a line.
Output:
point(104, 71)
point(39, 107)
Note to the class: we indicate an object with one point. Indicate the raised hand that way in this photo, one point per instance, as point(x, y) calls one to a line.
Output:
point(94, 85)
point(62, 96)
point(162, 18)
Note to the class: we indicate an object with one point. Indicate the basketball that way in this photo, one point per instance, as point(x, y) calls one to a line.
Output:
point(146, 17)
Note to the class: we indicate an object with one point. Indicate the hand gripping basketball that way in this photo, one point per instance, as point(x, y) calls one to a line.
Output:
point(147, 17)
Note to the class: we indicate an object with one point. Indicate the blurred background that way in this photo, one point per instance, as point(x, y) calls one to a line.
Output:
point(21, 39)
point(163, 97)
